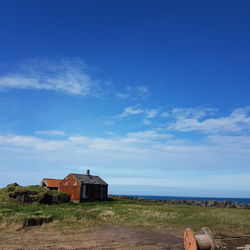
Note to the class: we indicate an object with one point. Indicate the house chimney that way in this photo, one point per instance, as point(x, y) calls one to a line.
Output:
point(88, 172)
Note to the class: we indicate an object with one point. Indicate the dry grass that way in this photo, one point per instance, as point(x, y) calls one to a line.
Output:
point(158, 214)
point(107, 215)
point(126, 212)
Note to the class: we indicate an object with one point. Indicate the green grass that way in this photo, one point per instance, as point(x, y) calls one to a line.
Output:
point(126, 212)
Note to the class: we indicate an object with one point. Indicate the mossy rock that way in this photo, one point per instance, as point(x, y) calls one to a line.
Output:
point(36, 220)
point(38, 194)
point(54, 198)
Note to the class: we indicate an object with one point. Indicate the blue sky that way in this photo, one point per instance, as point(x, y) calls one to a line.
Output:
point(151, 95)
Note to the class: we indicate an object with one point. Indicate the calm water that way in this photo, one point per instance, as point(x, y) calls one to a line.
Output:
point(241, 200)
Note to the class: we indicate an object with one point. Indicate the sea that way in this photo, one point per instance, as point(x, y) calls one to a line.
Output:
point(240, 200)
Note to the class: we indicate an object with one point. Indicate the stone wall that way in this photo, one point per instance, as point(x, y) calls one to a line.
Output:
point(205, 203)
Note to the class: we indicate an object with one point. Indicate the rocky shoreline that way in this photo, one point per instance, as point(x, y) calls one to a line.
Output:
point(205, 203)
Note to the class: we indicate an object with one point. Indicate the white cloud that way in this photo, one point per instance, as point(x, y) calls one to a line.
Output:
point(131, 111)
point(122, 95)
point(192, 113)
point(135, 152)
point(142, 89)
point(242, 140)
point(151, 146)
point(31, 142)
point(67, 76)
point(238, 145)
point(51, 132)
point(134, 93)
point(19, 140)
point(146, 122)
point(203, 120)
point(143, 92)
point(189, 120)
point(136, 110)
point(149, 134)
point(165, 114)
point(128, 143)
point(151, 113)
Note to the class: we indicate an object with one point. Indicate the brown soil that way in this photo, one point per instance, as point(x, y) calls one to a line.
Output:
point(50, 236)
point(231, 243)
point(104, 237)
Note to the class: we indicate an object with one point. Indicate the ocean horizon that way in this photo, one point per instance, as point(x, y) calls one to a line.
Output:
point(240, 200)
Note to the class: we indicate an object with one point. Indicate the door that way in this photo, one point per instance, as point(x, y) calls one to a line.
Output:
point(84, 192)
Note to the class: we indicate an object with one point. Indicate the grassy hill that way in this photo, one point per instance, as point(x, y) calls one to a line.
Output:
point(16, 215)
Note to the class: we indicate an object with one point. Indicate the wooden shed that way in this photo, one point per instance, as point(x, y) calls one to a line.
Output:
point(52, 184)
point(82, 187)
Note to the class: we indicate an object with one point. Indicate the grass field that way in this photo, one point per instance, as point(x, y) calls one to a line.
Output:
point(123, 212)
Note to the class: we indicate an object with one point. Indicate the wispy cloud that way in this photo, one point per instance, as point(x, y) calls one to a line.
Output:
point(202, 120)
point(68, 76)
point(151, 113)
point(137, 110)
point(149, 134)
point(164, 114)
point(192, 120)
point(146, 122)
point(122, 95)
point(132, 110)
point(134, 93)
point(143, 91)
point(134, 154)
point(125, 143)
point(51, 132)
point(65, 75)
point(192, 113)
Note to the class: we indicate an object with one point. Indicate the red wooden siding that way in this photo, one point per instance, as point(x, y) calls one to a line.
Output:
point(72, 187)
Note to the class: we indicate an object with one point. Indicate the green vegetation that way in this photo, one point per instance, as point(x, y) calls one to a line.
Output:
point(35, 194)
point(14, 214)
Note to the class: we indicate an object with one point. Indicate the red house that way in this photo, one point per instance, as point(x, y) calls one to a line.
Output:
point(52, 184)
point(80, 187)
point(83, 187)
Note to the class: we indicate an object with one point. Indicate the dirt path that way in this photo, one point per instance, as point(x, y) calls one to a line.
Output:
point(49, 236)
point(104, 237)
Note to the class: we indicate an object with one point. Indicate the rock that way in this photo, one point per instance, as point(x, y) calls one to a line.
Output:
point(211, 203)
point(38, 194)
point(208, 203)
point(36, 220)
point(49, 198)
point(22, 196)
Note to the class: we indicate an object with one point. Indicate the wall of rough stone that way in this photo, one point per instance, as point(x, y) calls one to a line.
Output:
point(205, 203)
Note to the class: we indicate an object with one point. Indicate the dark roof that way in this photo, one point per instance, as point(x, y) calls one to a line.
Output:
point(89, 179)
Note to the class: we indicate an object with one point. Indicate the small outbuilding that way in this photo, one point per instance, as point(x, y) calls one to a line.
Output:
point(82, 187)
point(51, 184)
